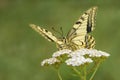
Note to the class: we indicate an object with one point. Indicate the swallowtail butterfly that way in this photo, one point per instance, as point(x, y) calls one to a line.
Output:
point(78, 37)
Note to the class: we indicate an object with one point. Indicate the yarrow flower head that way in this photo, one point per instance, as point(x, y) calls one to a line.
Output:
point(75, 58)
point(77, 61)
point(50, 61)
point(61, 52)
point(89, 52)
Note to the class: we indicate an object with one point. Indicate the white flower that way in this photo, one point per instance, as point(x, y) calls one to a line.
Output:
point(104, 54)
point(78, 53)
point(98, 53)
point(89, 52)
point(49, 61)
point(77, 58)
point(61, 52)
point(77, 61)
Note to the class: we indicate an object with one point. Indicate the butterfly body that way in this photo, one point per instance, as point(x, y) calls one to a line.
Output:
point(78, 36)
point(67, 44)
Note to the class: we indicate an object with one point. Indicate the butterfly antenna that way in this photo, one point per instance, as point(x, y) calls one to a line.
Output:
point(56, 31)
point(61, 31)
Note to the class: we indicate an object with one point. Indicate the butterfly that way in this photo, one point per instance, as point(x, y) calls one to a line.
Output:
point(78, 37)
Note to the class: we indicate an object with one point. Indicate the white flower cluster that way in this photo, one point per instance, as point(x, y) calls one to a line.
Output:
point(77, 61)
point(54, 60)
point(61, 52)
point(75, 58)
point(49, 61)
point(89, 52)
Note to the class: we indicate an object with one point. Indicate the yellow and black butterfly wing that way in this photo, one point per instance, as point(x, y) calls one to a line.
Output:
point(46, 34)
point(78, 35)
point(89, 41)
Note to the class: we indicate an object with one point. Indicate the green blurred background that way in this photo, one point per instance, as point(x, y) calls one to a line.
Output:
point(22, 49)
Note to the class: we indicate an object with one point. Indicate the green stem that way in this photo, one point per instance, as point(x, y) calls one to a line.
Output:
point(60, 78)
point(84, 73)
point(92, 69)
point(77, 72)
point(95, 70)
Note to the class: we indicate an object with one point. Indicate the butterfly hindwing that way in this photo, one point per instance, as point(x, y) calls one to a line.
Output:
point(89, 41)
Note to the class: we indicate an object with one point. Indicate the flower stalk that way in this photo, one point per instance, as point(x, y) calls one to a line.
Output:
point(95, 70)
point(59, 76)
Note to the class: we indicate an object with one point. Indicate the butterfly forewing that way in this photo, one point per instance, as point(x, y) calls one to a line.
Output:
point(81, 27)
point(46, 34)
